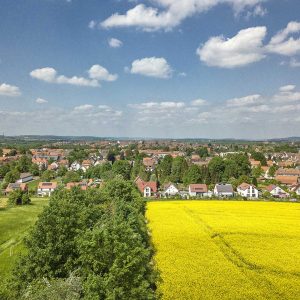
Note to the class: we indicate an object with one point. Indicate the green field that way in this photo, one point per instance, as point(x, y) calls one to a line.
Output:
point(226, 249)
point(14, 225)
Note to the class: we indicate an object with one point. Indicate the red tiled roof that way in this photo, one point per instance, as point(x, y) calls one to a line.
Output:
point(198, 188)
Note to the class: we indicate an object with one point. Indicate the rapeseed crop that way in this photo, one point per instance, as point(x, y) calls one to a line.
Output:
point(227, 250)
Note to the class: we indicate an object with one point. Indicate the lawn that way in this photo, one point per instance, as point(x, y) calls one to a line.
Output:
point(14, 225)
point(226, 249)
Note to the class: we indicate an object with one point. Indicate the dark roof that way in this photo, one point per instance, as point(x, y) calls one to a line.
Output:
point(224, 188)
point(24, 175)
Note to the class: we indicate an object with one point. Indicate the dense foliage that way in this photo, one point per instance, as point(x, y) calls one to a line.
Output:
point(98, 236)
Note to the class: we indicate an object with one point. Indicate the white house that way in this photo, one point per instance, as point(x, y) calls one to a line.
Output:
point(248, 190)
point(199, 190)
point(170, 190)
point(276, 191)
point(296, 189)
point(25, 177)
point(75, 166)
point(147, 189)
point(223, 190)
point(46, 188)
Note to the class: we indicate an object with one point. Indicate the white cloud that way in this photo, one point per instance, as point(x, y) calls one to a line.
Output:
point(50, 75)
point(282, 43)
point(96, 73)
point(9, 90)
point(92, 24)
point(44, 74)
point(170, 13)
point(100, 73)
point(287, 88)
point(41, 101)
point(115, 43)
point(199, 102)
point(244, 101)
point(258, 11)
point(243, 49)
point(152, 67)
point(84, 107)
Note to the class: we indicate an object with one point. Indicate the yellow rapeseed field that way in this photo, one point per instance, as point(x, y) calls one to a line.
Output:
point(227, 249)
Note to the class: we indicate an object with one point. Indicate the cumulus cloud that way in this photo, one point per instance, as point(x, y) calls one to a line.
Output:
point(244, 48)
point(152, 66)
point(284, 44)
point(83, 107)
point(96, 73)
point(92, 24)
point(244, 101)
point(97, 121)
point(9, 90)
point(169, 13)
point(100, 73)
point(115, 43)
point(41, 101)
point(50, 75)
point(199, 102)
point(287, 88)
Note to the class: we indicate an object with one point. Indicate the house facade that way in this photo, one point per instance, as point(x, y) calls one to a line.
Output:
point(45, 189)
point(223, 190)
point(170, 190)
point(276, 191)
point(198, 190)
point(147, 189)
point(15, 187)
point(248, 191)
point(25, 177)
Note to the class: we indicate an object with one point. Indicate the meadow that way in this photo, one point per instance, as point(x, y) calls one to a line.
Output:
point(227, 249)
point(15, 223)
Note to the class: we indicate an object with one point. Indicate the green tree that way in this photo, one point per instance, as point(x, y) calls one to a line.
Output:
point(48, 175)
point(12, 176)
point(192, 175)
point(71, 176)
point(165, 168)
point(18, 197)
point(179, 167)
point(216, 169)
point(260, 157)
point(122, 167)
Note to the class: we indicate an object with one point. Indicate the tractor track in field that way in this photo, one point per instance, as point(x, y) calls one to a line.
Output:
point(253, 272)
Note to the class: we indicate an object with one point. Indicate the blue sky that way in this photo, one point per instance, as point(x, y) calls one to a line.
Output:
point(157, 68)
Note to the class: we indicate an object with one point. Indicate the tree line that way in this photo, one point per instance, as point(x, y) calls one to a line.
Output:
point(88, 245)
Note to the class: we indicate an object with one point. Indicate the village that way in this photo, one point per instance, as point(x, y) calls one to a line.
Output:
point(159, 169)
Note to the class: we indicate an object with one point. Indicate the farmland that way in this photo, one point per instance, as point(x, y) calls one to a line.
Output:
point(14, 224)
point(226, 249)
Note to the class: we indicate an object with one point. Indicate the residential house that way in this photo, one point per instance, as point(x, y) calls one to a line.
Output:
point(54, 166)
point(149, 163)
point(41, 162)
point(296, 189)
point(287, 176)
point(46, 188)
point(16, 186)
point(86, 164)
point(276, 191)
point(83, 185)
point(75, 166)
point(170, 189)
point(199, 190)
point(248, 190)
point(25, 177)
point(254, 163)
point(223, 190)
point(147, 189)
